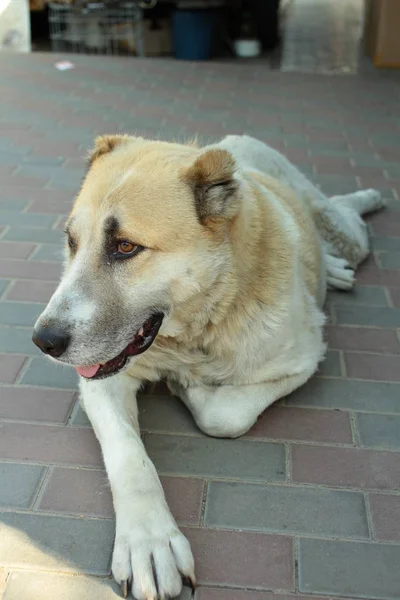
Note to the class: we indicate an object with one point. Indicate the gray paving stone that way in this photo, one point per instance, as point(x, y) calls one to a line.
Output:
point(208, 457)
point(83, 135)
point(331, 365)
point(350, 569)
point(390, 244)
point(3, 285)
point(51, 586)
point(42, 372)
point(15, 219)
point(55, 543)
point(333, 188)
point(17, 340)
point(392, 202)
point(290, 141)
point(20, 313)
point(53, 252)
point(379, 431)
point(365, 295)
point(64, 184)
point(9, 158)
point(286, 509)
point(34, 235)
point(347, 394)
point(361, 160)
point(164, 413)
point(385, 139)
point(368, 315)
point(18, 484)
point(32, 159)
point(389, 260)
point(46, 170)
point(13, 205)
point(5, 146)
point(347, 181)
point(344, 152)
point(79, 417)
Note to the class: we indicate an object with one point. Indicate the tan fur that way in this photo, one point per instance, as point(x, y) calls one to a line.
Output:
point(159, 213)
point(310, 251)
point(104, 144)
point(149, 187)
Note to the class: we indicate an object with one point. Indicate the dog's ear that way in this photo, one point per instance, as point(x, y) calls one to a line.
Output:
point(104, 144)
point(212, 178)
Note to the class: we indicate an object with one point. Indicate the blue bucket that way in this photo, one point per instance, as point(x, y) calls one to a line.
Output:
point(193, 34)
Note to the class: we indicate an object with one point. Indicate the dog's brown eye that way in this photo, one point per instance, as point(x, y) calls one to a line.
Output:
point(71, 243)
point(127, 248)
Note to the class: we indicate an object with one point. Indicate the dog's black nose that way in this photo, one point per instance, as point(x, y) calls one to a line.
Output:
point(51, 340)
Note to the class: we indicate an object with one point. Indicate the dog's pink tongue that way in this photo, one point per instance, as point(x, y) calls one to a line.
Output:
point(88, 371)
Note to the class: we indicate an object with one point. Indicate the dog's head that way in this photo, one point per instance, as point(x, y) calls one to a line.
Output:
point(148, 233)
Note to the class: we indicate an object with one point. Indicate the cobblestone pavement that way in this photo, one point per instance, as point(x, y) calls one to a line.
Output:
point(307, 505)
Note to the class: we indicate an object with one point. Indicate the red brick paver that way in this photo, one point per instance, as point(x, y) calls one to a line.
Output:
point(385, 512)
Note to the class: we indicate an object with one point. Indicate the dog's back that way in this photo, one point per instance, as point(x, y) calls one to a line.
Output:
point(338, 219)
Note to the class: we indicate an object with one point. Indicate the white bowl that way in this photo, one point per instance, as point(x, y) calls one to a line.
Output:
point(247, 48)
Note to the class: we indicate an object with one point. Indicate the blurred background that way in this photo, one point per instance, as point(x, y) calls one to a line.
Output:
point(320, 36)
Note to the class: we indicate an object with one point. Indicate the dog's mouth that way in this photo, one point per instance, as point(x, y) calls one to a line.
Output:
point(140, 343)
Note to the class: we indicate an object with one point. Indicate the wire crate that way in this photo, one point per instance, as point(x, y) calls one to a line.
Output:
point(97, 28)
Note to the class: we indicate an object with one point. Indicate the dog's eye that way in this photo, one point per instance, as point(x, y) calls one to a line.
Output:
point(126, 249)
point(71, 243)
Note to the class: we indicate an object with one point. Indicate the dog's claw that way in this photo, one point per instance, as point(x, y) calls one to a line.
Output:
point(193, 584)
point(190, 582)
point(124, 588)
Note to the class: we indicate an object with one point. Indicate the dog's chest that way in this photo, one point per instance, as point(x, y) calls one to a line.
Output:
point(189, 366)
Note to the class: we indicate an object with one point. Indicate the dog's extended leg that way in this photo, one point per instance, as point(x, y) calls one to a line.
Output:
point(229, 411)
point(362, 201)
point(150, 553)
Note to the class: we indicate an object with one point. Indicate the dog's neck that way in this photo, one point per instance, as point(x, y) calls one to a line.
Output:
point(232, 293)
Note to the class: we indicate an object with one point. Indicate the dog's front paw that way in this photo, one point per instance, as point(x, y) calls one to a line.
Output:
point(151, 556)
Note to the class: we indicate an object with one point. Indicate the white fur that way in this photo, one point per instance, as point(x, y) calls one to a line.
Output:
point(68, 297)
point(85, 311)
point(145, 528)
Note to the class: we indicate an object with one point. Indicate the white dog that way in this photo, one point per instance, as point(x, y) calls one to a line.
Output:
point(207, 267)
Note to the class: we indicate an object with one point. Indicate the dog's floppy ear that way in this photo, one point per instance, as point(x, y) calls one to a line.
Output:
point(212, 178)
point(104, 144)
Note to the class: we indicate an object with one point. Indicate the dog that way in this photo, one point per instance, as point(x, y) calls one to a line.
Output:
point(207, 267)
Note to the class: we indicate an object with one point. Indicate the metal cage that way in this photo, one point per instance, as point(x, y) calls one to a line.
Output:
point(97, 28)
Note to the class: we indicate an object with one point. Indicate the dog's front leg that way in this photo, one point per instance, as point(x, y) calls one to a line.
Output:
point(230, 411)
point(150, 553)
